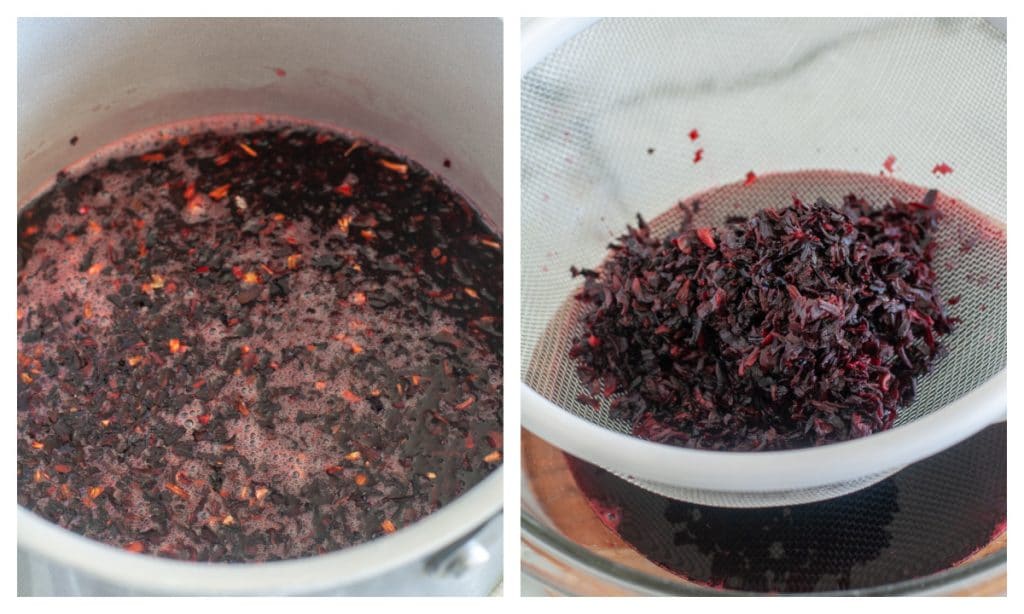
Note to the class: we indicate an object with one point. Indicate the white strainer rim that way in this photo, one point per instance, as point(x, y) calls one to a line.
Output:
point(771, 470)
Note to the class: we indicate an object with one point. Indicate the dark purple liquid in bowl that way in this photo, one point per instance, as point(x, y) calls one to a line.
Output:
point(923, 520)
point(263, 341)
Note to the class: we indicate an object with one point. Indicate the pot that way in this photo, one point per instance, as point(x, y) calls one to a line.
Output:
point(428, 88)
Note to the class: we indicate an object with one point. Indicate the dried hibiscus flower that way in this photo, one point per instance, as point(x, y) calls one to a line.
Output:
point(796, 327)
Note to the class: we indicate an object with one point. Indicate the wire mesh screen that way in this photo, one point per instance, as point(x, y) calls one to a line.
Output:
point(606, 134)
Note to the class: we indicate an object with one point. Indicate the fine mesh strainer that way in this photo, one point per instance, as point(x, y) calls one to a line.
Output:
point(816, 108)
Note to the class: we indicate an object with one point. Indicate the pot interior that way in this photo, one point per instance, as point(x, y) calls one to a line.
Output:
point(430, 89)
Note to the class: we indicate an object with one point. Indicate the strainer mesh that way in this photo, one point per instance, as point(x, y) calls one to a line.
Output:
point(605, 123)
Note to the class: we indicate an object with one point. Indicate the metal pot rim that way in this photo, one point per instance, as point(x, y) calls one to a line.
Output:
point(370, 559)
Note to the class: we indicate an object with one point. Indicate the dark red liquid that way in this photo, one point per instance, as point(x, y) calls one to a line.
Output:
point(261, 342)
point(925, 519)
